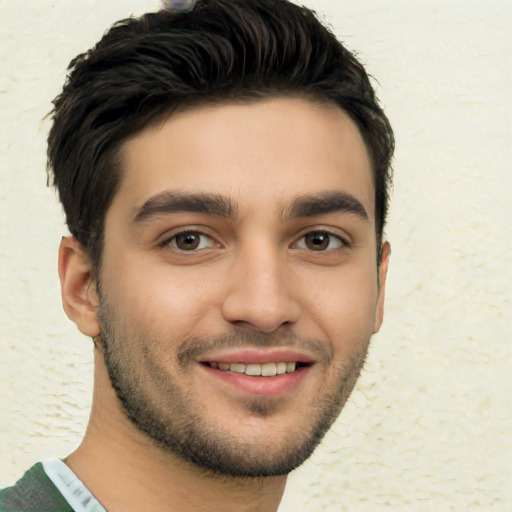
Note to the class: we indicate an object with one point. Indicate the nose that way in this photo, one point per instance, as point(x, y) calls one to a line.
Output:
point(259, 292)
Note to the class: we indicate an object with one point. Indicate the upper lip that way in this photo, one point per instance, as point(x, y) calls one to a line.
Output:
point(255, 355)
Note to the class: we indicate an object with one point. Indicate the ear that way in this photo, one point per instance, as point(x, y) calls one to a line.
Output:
point(78, 287)
point(383, 271)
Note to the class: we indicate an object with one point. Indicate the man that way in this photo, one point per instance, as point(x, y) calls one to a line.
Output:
point(224, 172)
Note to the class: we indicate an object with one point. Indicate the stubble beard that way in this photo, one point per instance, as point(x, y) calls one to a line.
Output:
point(174, 422)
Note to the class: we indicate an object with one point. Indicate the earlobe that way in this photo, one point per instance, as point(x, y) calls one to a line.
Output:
point(78, 287)
point(383, 271)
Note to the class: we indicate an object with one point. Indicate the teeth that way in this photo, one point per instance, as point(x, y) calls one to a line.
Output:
point(290, 367)
point(257, 369)
point(237, 367)
point(253, 369)
point(268, 369)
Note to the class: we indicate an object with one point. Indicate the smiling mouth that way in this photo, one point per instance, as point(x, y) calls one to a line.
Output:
point(258, 369)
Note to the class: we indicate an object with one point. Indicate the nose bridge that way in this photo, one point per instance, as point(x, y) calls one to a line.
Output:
point(258, 291)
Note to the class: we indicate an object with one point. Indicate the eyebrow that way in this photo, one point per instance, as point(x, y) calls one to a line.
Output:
point(324, 203)
point(176, 202)
point(220, 206)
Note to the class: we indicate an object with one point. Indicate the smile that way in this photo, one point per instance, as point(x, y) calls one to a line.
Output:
point(258, 369)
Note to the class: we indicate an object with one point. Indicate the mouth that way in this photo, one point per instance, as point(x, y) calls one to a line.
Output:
point(269, 369)
point(270, 372)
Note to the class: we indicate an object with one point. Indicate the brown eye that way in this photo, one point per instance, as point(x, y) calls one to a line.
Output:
point(190, 241)
point(319, 241)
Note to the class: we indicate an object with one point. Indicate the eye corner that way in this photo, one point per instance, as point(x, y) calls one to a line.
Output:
point(189, 240)
point(320, 240)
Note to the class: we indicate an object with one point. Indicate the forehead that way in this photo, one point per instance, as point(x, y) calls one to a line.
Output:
point(260, 154)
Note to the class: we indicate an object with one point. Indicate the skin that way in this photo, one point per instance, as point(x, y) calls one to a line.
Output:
point(255, 274)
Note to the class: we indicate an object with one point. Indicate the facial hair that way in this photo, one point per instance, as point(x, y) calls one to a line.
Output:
point(174, 421)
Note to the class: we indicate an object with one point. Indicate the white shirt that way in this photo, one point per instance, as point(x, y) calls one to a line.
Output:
point(74, 491)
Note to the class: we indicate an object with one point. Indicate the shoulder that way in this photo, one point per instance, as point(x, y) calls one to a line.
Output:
point(34, 492)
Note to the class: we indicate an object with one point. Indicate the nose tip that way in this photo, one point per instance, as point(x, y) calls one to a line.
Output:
point(260, 295)
point(266, 317)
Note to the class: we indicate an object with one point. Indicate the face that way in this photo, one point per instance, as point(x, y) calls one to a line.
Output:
point(238, 286)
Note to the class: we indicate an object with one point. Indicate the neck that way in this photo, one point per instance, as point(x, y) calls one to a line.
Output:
point(125, 471)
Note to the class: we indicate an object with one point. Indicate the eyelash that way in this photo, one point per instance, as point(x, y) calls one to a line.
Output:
point(331, 237)
point(342, 242)
point(171, 242)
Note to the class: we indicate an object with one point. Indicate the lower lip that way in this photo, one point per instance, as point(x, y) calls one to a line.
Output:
point(263, 386)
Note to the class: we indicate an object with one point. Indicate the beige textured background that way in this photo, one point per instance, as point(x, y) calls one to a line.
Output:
point(430, 425)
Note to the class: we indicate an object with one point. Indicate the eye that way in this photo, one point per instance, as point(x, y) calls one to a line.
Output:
point(320, 241)
point(190, 241)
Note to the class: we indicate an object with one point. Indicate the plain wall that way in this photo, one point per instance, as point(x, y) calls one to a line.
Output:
point(429, 425)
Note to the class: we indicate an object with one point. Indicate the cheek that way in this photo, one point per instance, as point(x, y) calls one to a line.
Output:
point(159, 297)
point(344, 306)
